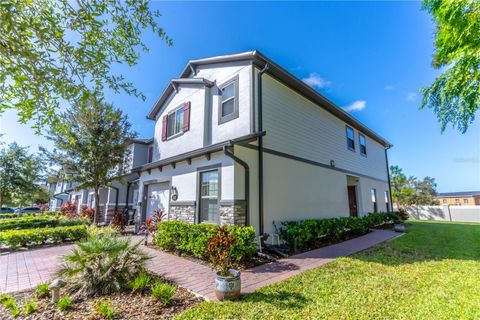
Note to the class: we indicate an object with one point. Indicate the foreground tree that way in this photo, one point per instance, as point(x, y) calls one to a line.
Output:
point(61, 50)
point(455, 94)
point(411, 191)
point(19, 173)
point(93, 145)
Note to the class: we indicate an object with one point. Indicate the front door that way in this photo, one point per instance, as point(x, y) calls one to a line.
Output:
point(158, 198)
point(352, 201)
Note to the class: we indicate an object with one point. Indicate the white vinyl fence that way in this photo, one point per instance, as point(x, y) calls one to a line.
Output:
point(445, 213)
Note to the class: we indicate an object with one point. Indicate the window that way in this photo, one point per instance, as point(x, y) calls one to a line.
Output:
point(350, 139)
point(444, 201)
point(373, 193)
point(228, 106)
point(465, 201)
point(175, 122)
point(363, 144)
point(209, 194)
point(387, 202)
point(457, 201)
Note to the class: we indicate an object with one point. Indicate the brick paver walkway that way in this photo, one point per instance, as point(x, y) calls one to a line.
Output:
point(24, 270)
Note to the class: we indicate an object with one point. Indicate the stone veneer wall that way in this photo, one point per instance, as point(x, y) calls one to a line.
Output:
point(182, 211)
point(233, 212)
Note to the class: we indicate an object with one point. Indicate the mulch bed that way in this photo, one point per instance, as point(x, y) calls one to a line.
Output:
point(127, 305)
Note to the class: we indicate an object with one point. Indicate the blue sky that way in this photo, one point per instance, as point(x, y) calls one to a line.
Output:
point(370, 56)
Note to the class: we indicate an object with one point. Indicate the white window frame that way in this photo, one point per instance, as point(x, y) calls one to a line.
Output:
point(347, 128)
point(235, 113)
point(360, 145)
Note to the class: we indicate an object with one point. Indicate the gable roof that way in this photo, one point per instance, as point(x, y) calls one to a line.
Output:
point(459, 194)
point(275, 70)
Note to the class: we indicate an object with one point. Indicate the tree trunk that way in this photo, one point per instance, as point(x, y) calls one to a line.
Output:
point(96, 215)
point(1, 199)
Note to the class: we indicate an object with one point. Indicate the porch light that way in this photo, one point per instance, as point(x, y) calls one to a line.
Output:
point(332, 163)
point(174, 193)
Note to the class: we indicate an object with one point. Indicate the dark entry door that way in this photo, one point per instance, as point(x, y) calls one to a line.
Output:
point(352, 201)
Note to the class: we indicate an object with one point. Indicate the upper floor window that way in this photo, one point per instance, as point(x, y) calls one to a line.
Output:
point(350, 139)
point(363, 144)
point(228, 106)
point(176, 121)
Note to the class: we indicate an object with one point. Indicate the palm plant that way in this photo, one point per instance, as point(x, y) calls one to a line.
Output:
point(101, 266)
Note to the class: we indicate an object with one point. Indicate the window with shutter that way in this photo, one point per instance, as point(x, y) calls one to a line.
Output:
point(176, 122)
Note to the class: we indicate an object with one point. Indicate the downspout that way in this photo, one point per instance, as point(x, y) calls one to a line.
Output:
point(246, 168)
point(55, 197)
point(260, 149)
point(116, 197)
point(390, 207)
point(128, 193)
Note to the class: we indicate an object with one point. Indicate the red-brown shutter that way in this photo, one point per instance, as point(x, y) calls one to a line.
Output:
point(164, 128)
point(186, 116)
point(150, 154)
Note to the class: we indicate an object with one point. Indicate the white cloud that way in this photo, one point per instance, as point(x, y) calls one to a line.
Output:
point(389, 87)
point(315, 81)
point(411, 96)
point(356, 106)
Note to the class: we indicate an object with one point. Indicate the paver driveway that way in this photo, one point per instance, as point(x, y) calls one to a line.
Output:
point(24, 270)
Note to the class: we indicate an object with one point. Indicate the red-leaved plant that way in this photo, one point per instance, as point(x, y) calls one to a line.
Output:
point(87, 212)
point(117, 221)
point(69, 209)
point(151, 223)
point(43, 207)
point(219, 251)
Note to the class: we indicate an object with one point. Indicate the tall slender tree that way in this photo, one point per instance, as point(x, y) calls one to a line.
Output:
point(92, 146)
point(20, 172)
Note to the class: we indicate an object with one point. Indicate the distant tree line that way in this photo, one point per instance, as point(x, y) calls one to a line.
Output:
point(410, 190)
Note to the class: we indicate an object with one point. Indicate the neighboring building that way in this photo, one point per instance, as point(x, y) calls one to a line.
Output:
point(233, 146)
point(467, 198)
point(122, 195)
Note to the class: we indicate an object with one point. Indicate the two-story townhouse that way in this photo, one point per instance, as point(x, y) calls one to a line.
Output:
point(240, 140)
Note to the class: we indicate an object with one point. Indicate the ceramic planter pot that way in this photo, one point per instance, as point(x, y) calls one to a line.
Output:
point(399, 227)
point(228, 288)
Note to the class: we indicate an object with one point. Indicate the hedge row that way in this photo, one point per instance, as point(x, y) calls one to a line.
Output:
point(38, 222)
point(304, 233)
point(29, 214)
point(192, 239)
point(30, 237)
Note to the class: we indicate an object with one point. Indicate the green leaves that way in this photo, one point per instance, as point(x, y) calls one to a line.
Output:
point(455, 95)
point(56, 52)
point(412, 191)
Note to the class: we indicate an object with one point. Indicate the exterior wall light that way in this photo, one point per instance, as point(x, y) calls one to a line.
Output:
point(174, 193)
point(332, 163)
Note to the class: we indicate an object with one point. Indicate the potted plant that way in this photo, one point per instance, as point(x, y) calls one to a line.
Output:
point(227, 282)
point(150, 225)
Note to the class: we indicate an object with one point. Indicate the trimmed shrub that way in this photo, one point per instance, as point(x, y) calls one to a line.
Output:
point(38, 222)
point(304, 233)
point(192, 239)
point(102, 265)
point(38, 236)
point(96, 232)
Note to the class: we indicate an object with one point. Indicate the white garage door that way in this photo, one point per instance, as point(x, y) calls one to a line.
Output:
point(158, 197)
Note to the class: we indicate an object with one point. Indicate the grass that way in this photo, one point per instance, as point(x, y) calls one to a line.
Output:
point(105, 309)
point(42, 291)
point(432, 272)
point(163, 291)
point(64, 303)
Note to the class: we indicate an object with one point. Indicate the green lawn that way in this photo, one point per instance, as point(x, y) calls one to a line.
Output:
point(432, 272)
